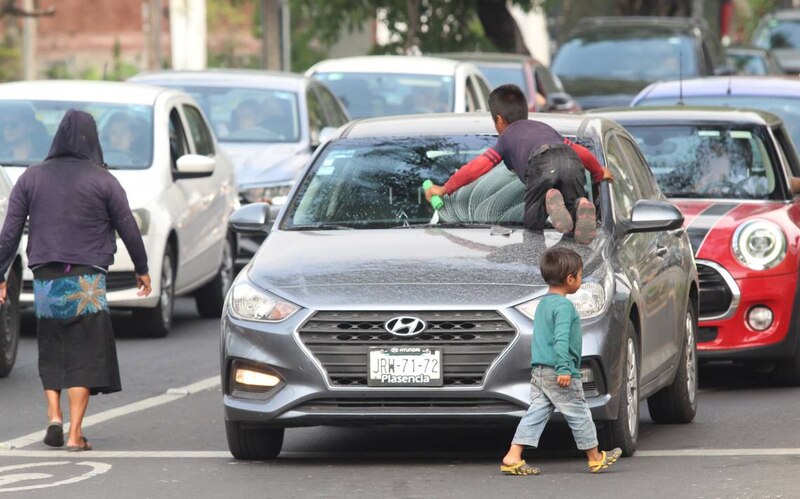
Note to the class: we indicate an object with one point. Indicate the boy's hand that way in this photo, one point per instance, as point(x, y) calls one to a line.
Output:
point(434, 190)
point(607, 175)
point(563, 380)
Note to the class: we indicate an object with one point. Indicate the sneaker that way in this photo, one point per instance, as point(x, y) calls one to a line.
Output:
point(586, 223)
point(559, 216)
point(609, 458)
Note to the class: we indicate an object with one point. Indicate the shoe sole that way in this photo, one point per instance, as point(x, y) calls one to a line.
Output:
point(557, 210)
point(54, 436)
point(586, 223)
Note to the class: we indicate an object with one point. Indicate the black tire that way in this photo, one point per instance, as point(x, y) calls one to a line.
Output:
point(623, 432)
point(253, 443)
point(156, 322)
point(787, 372)
point(677, 403)
point(210, 299)
point(10, 323)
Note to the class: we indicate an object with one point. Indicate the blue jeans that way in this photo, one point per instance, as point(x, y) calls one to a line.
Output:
point(546, 396)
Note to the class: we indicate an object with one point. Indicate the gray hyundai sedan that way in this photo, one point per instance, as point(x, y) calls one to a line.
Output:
point(364, 306)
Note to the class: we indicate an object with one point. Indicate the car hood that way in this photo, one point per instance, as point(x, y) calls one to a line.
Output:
point(409, 267)
point(711, 224)
point(263, 164)
point(789, 59)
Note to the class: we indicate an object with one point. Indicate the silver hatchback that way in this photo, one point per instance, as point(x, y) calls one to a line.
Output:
point(363, 306)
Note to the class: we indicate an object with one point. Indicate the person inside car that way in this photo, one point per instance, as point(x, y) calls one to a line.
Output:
point(24, 138)
point(119, 136)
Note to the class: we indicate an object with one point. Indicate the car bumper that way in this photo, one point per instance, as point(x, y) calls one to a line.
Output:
point(305, 395)
point(732, 338)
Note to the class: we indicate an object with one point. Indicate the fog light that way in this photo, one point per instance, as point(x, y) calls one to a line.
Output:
point(255, 378)
point(759, 318)
point(587, 375)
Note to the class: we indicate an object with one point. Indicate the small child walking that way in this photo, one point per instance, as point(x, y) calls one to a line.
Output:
point(556, 378)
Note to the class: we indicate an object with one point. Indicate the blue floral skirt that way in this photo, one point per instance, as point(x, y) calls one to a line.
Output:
point(74, 332)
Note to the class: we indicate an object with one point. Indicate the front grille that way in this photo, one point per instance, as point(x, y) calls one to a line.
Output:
point(706, 334)
point(115, 281)
point(715, 295)
point(470, 342)
point(417, 404)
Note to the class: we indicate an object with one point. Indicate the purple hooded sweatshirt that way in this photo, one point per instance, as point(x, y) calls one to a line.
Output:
point(75, 205)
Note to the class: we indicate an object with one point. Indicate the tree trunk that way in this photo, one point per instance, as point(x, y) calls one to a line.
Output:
point(500, 27)
point(678, 8)
point(412, 8)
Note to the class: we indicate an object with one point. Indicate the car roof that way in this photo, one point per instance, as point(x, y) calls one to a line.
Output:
point(486, 57)
point(746, 51)
point(448, 124)
point(719, 85)
point(83, 91)
point(655, 22)
point(406, 64)
point(225, 78)
point(687, 114)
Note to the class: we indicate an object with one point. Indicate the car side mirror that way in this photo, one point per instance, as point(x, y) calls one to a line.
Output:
point(559, 101)
point(324, 135)
point(194, 166)
point(653, 216)
point(254, 219)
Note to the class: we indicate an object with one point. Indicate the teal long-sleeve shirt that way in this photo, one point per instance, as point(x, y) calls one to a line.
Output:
point(557, 340)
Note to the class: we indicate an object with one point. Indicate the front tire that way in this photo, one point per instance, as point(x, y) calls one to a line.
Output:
point(624, 431)
point(210, 299)
point(677, 403)
point(10, 324)
point(253, 443)
point(156, 322)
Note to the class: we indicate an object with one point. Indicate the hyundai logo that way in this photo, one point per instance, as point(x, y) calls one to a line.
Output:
point(405, 326)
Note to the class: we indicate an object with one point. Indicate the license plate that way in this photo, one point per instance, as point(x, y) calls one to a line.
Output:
point(405, 366)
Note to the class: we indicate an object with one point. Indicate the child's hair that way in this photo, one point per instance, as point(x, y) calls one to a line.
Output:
point(558, 263)
point(509, 102)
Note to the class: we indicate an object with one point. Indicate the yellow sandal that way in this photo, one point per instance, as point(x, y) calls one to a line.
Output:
point(521, 468)
point(609, 458)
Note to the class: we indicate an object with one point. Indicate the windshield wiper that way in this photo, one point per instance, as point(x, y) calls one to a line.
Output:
point(447, 225)
point(320, 226)
point(15, 163)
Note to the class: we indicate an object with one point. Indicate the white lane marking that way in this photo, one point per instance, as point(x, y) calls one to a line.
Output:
point(168, 454)
point(96, 469)
point(171, 395)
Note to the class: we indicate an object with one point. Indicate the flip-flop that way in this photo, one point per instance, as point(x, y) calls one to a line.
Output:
point(521, 468)
point(586, 223)
point(557, 210)
point(54, 437)
point(609, 458)
point(85, 445)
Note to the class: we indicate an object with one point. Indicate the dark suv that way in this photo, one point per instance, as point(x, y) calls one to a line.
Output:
point(605, 61)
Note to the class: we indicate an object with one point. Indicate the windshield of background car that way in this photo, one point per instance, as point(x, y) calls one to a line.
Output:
point(748, 64)
point(786, 108)
point(366, 95)
point(778, 35)
point(28, 127)
point(376, 183)
point(602, 63)
point(709, 161)
point(249, 114)
point(501, 74)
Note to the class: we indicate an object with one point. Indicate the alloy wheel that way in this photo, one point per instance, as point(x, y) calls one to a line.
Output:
point(632, 388)
point(691, 361)
point(166, 291)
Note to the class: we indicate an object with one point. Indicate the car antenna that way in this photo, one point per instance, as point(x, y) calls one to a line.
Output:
point(680, 79)
point(730, 83)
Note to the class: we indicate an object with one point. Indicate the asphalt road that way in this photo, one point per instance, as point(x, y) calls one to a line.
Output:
point(163, 436)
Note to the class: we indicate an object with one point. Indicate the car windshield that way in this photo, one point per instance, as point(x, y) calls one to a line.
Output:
point(28, 127)
point(748, 64)
point(366, 95)
point(376, 183)
point(778, 35)
point(785, 107)
point(594, 65)
point(500, 74)
point(720, 162)
point(249, 114)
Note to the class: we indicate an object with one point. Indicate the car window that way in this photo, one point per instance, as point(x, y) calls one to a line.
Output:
point(203, 141)
point(641, 172)
point(316, 116)
point(470, 97)
point(777, 34)
point(623, 187)
point(177, 138)
point(748, 64)
point(710, 161)
point(484, 91)
point(502, 73)
point(336, 116)
point(787, 150)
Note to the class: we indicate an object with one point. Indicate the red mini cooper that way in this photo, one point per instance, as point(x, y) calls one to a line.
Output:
point(731, 172)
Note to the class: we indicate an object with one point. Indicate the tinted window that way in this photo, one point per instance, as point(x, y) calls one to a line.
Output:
point(778, 35)
point(28, 127)
point(177, 138)
point(366, 95)
point(787, 150)
point(718, 162)
point(639, 168)
point(500, 74)
point(748, 64)
point(316, 116)
point(336, 116)
point(249, 114)
point(623, 185)
point(203, 142)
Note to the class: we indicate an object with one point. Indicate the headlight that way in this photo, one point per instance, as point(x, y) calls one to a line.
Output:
point(590, 299)
point(759, 244)
point(275, 194)
point(142, 218)
point(250, 304)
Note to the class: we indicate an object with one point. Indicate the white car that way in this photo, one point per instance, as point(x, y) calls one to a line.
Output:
point(9, 311)
point(180, 187)
point(384, 85)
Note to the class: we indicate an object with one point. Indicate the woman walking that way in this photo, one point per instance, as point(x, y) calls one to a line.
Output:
point(75, 206)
